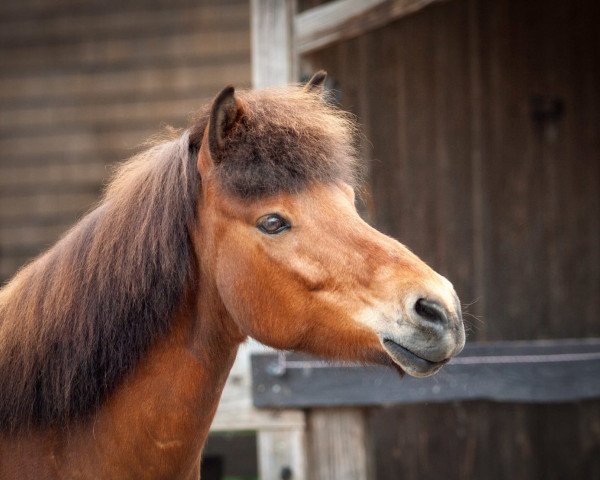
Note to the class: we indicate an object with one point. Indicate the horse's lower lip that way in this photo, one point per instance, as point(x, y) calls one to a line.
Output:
point(409, 361)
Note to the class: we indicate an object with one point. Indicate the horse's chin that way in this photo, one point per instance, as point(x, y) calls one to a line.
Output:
point(406, 361)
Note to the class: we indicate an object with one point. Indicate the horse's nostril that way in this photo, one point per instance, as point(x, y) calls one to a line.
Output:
point(431, 311)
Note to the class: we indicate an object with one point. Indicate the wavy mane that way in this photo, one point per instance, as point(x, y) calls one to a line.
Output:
point(78, 318)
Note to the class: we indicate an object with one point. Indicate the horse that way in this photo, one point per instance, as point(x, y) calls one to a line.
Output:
point(115, 343)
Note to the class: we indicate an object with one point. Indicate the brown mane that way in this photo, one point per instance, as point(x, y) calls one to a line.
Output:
point(286, 138)
point(77, 319)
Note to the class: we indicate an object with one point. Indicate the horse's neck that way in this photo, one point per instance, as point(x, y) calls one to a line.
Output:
point(155, 425)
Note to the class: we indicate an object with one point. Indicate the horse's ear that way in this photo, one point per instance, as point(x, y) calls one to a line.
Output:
point(225, 113)
point(317, 83)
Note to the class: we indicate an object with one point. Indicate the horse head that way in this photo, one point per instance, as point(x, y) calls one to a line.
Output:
point(290, 259)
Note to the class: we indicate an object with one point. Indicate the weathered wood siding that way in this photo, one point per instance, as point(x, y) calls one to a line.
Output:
point(463, 175)
point(84, 83)
point(488, 441)
point(509, 211)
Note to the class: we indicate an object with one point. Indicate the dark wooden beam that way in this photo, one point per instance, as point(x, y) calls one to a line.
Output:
point(540, 371)
point(332, 22)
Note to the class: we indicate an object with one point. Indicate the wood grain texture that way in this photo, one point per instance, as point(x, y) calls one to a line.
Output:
point(339, 444)
point(331, 22)
point(460, 172)
point(84, 83)
point(467, 440)
point(282, 454)
point(533, 372)
point(507, 210)
point(273, 53)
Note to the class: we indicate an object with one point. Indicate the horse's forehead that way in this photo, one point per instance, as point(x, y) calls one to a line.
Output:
point(310, 200)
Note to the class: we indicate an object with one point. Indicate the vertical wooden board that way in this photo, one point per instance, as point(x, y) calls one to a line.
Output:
point(352, 74)
point(339, 444)
point(474, 310)
point(546, 75)
point(347, 66)
point(543, 255)
point(487, 440)
point(452, 155)
point(417, 216)
point(517, 280)
point(273, 54)
point(587, 452)
point(572, 65)
point(559, 431)
point(282, 455)
point(511, 186)
point(422, 182)
point(384, 104)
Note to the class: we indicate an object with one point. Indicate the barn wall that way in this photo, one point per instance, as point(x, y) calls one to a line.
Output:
point(504, 205)
point(83, 83)
point(487, 441)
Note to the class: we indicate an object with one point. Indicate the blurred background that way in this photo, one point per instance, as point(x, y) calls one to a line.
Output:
point(483, 127)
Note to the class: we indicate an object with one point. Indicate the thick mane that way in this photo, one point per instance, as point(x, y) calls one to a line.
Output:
point(77, 319)
point(74, 321)
point(286, 138)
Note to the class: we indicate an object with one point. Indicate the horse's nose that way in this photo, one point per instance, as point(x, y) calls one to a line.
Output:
point(430, 311)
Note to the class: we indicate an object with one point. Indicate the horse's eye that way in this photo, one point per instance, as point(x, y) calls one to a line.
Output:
point(272, 224)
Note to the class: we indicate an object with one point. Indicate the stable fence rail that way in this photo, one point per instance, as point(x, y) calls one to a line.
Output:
point(536, 371)
point(334, 398)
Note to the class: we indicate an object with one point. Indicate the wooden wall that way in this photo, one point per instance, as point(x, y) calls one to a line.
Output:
point(507, 205)
point(463, 175)
point(487, 441)
point(83, 83)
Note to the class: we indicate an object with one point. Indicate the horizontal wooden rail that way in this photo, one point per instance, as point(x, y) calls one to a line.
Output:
point(537, 371)
point(331, 22)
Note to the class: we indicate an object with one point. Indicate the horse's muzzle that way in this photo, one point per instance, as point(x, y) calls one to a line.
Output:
point(426, 338)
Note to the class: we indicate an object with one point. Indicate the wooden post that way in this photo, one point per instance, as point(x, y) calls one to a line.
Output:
point(273, 53)
point(281, 454)
point(339, 444)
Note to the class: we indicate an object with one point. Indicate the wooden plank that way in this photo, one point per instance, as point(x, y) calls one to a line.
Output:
point(484, 440)
point(9, 266)
point(125, 97)
point(28, 236)
point(75, 143)
point(273, 54)
point(46, 204)
point(332, 22)
point(312, 26)
point(26, 176)
point(541, 371)
point(476, 126)
point(542, 267)
point(76, 27)
point(281, 454)
point(340, 446)
point(147, 80)
point(207, 48)
point(110, 116)
point(13, 9)
point(236, 412)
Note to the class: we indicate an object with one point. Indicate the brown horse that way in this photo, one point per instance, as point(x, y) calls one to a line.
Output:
point(115, 344)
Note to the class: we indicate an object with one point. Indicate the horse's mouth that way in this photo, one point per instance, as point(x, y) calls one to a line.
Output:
point(410, 362)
